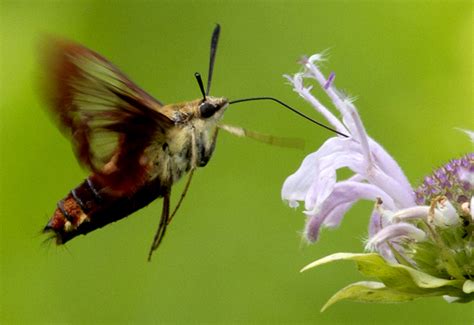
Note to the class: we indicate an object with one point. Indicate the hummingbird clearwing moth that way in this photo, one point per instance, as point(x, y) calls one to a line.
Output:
point(135, 146)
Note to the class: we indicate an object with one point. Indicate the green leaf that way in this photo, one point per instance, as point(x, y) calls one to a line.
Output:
point(343, 256)
point(404, 278)
point(397, 277)
point(368, 291)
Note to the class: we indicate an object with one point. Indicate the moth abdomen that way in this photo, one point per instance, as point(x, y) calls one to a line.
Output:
point(89, 207)
point(74, 210)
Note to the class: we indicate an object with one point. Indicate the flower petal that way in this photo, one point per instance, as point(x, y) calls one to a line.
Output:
point(447, 215)
point(395, 231)
point(389, 166)
point(376, 221)
point(416, 212)
point(297, 185)
point(334, 218)
point(304, 92)
point(312, 228)
point(350, 191)
point(326, 179)
point(331, 211)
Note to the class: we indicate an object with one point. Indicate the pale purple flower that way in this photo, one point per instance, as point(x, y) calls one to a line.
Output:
point(426, 234)
point(376, 175)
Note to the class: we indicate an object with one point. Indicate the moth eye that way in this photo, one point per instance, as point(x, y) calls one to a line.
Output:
point(207, 109)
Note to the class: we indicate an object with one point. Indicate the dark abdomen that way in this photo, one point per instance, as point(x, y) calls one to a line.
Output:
point(87, 208)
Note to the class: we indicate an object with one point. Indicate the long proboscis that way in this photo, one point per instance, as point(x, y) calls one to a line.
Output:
point(294, 110)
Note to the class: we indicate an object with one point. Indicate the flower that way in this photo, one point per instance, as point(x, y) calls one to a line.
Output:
point(421, 241)
point(376, 173)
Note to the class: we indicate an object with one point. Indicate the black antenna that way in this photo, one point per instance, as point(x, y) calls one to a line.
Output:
point(212, 58)
point(291, 109)
point(201, 85)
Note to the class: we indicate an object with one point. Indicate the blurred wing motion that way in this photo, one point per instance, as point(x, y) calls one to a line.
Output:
point(265, 138)
point(110, 120)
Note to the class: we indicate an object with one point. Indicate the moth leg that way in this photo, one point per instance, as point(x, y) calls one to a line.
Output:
point(261, 137)
point(183, 194)
point(191, 172)
point(160, 233)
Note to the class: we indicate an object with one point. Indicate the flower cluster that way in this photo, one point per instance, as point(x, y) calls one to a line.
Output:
point(421, 241)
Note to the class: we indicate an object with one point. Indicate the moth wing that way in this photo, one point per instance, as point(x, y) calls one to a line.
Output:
point(110, 120)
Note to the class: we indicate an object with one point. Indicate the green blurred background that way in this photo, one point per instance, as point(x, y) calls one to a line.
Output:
point(233, 253)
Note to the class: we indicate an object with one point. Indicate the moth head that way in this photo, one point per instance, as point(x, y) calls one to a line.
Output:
point(212, 108)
